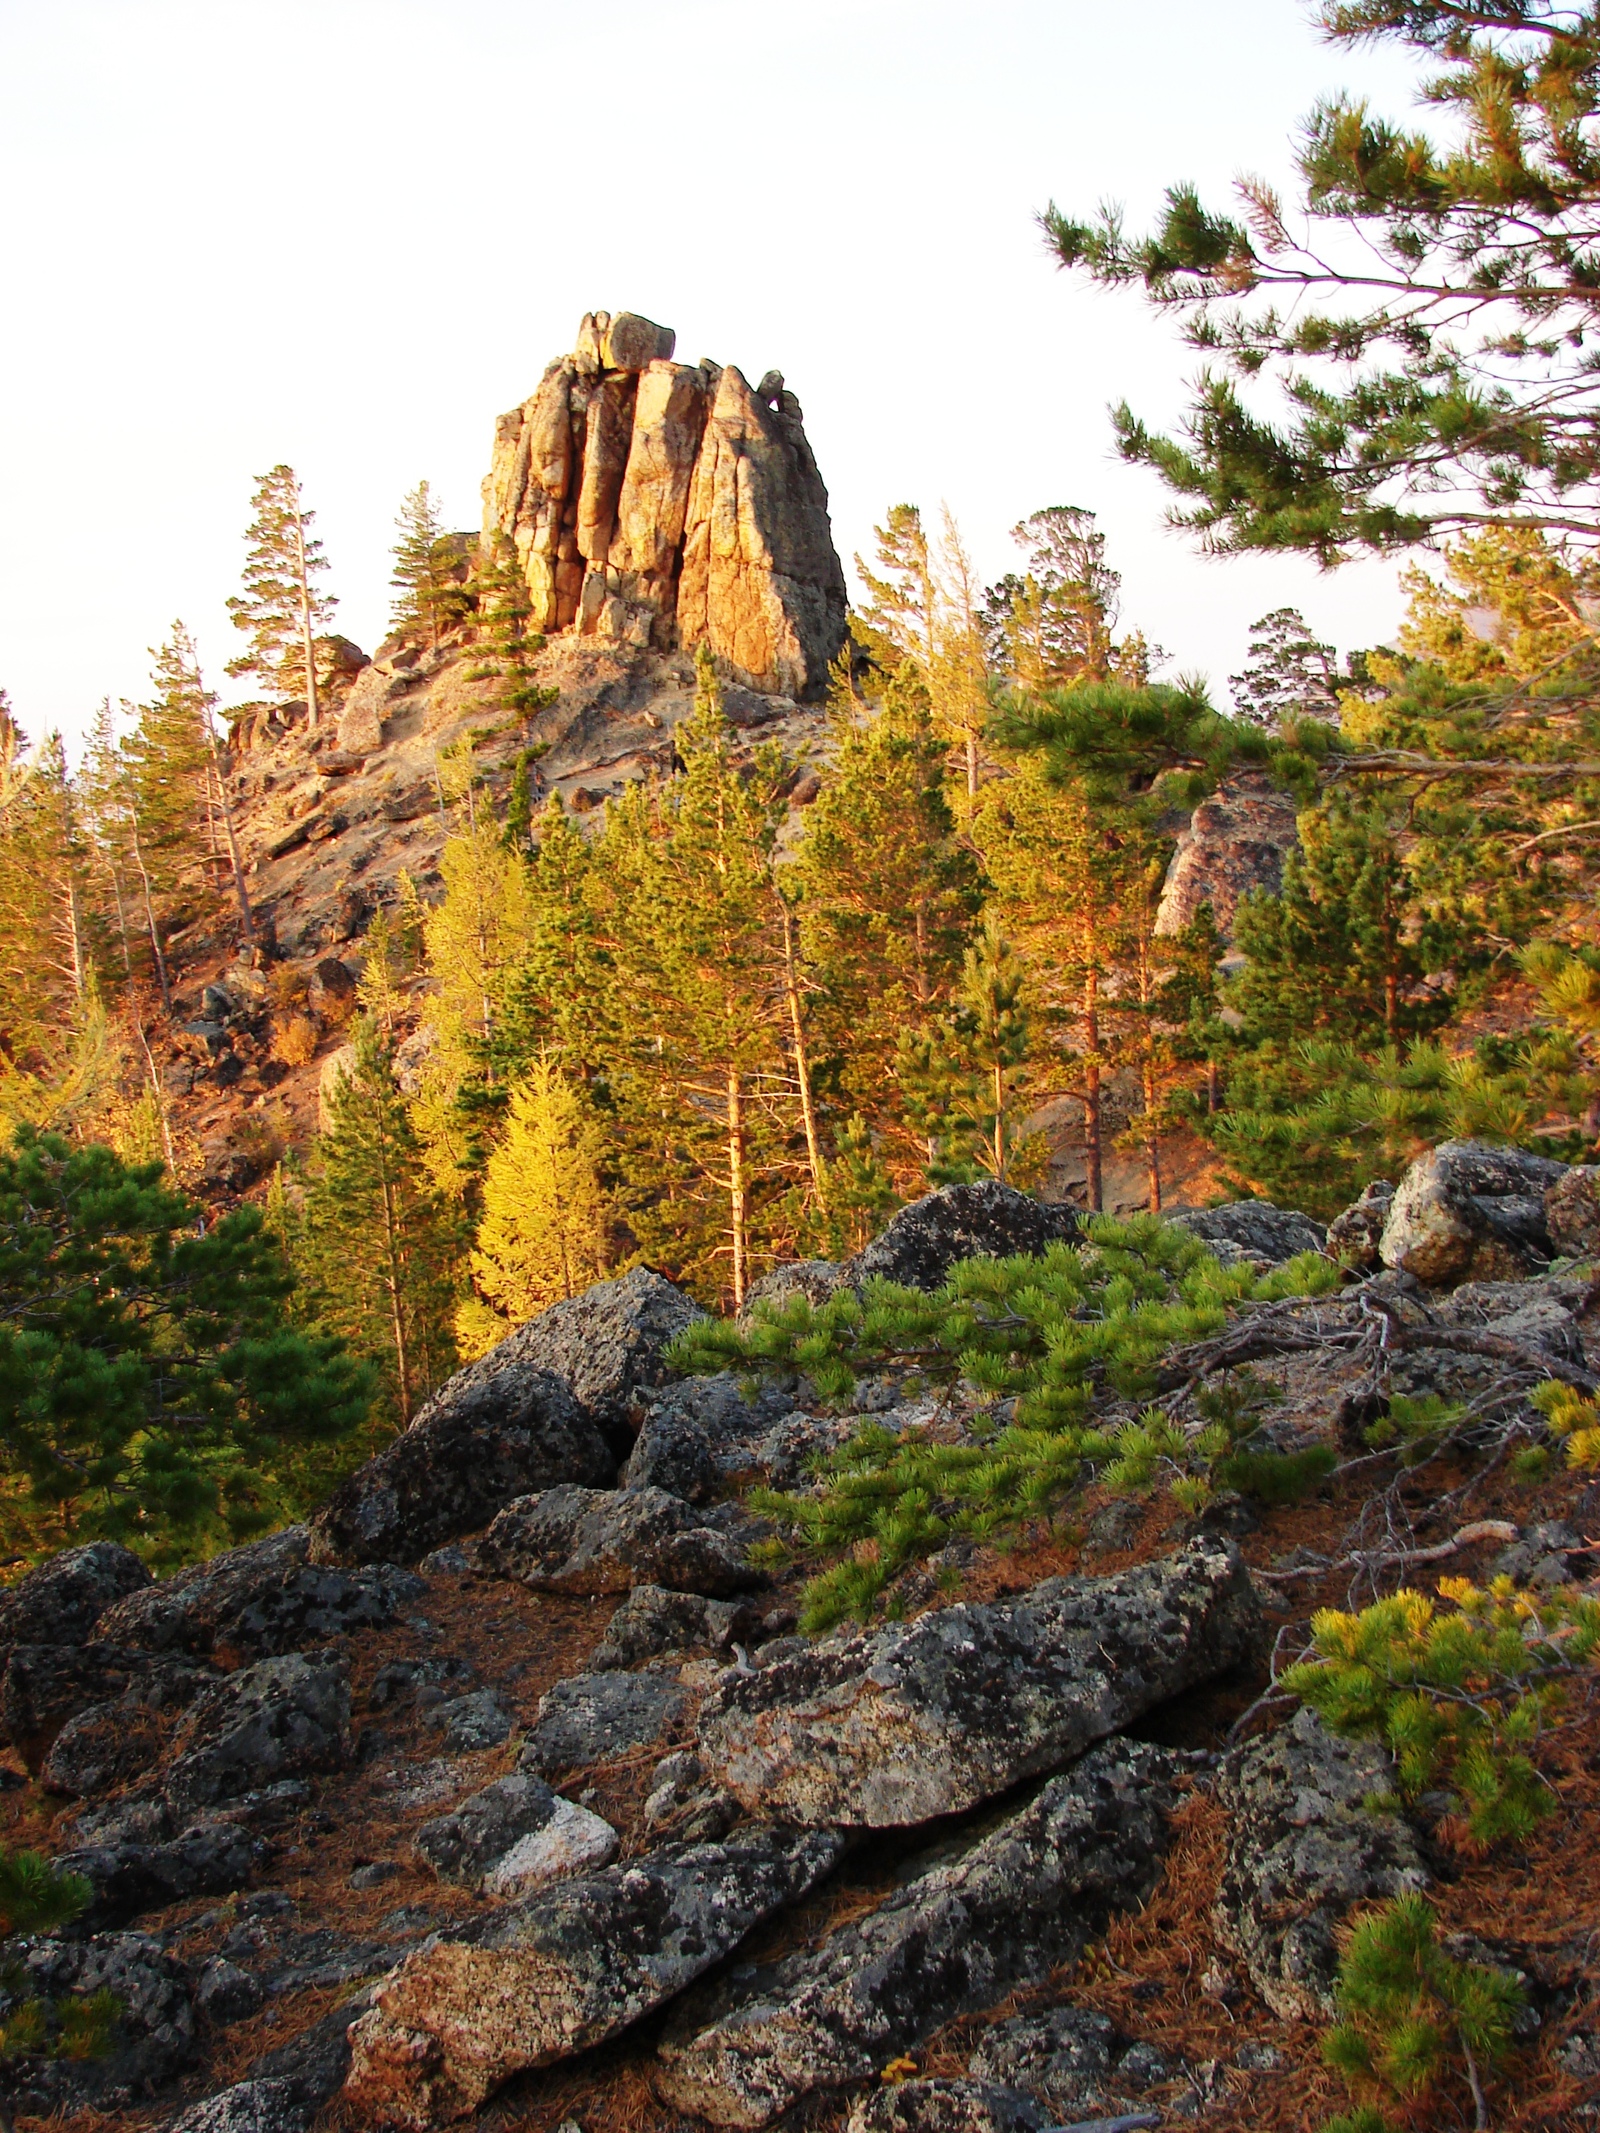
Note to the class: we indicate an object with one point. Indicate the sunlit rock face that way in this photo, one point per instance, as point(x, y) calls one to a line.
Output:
point(658, 503)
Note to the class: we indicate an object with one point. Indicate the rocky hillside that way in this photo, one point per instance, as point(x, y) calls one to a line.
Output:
point(507, 1791)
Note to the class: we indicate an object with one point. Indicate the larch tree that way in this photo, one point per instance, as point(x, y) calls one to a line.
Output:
point(901, 615)
point(428, 594)
point(544, 1231)
point(281, 610)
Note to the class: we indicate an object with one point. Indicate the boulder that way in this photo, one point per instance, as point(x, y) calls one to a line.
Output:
point(45, 1685)
point(982, 1221)
point(249, 2107)
point(565, 1969)
point(62, 1601)
point(259, 1601)
point(941, 2105)
point(1019, 1902)
point(652, 1621)
point(1306, 1845)
point(283, 1718)
point(892, 1727)
point(629, 342)
point(477, 1445)
point(106, 1744)
point(1354, 1236)
point(608, 1348)
point(1252, 1229)
point(472, 1722)
point(513, 1837)
point(1572, 1212)
point(709, 1436)
point(212, 1857)
point(1074, 2063)
point(1234, 843)
point(1469, 1212)
point(152, 2040)
point(814, 1279)
point(606, 1540)
point(373, 697)
point(593, 1718)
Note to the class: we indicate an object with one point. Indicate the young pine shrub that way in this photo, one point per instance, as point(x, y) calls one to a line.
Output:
point(36, 1897)
point(1412, 2020)
point(1575, 1420)
point(1462, 1699)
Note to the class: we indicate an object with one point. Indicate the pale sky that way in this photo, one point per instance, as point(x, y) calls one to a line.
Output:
point(347, 233)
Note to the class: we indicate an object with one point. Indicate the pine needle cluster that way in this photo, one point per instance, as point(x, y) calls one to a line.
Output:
point(1463, 1698)
point(1021, 1347)
point(38, 1897)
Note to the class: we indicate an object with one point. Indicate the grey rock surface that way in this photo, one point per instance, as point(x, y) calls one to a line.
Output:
point(653, 1620)
point(1572, 1212)
point(708, 1436)
point(63, 1600)
point(943, 2105)
point(592, 1718)
point(249, 2107)
point(107, 1744)
point(1251, 1229)
point(1355, 1236)
point(212, 1857)
point(281, 1718)
point(46, 1685)
point(1018, 1903)
point(934, 1716)
point(1307, 1842)
point(607, 1346)
point(986, 1220)
point(566, 1969)
point(1073, 2062)
point(152, 2040)
point(607, 1540)
point(813, 1279)
point(259, 1601)
point(1467, 1211)
point(474, 1838)
point(480, 1442)
point(477, 1720)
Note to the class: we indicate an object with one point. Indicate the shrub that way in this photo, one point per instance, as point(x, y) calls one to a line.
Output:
point(1461, 1697)
point(1575, 1420)
point(1411, 2017)
point(294, 1039)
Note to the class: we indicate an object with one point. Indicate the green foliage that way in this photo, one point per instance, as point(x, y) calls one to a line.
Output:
point(1289, 675)
point(280, 609)
point(1434, 359)
point(36, 1896)
point(1462, 1698)
point(1027, 1343)
point(1115, 738)
point(1419, 1425)
point(1412, 2017)
point(429, 570)
point(150, 1378)
point(1575, 1420)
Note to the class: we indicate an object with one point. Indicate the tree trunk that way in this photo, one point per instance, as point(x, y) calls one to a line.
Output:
point(242, 894)
point(972, 766)
point(150, 920)
point(736, 1183)
point(396, 1288)
point(307, 641)
point(999, 1122)
point(1213, 1088)
point(1391, 1005)
point(1091, 1090)
point(802, 1066)
point(1152, 1137)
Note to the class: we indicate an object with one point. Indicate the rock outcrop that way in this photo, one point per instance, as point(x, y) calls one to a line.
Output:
point(659, 503)
point(1467, 1211)
point(607, 1540)
point(885, 1730)
point(1233, 843)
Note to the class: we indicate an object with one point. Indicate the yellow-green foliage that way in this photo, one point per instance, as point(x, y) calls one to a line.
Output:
point(1042, 1333)
point(543, 1232)
point(1411, 2017)
point(1460, 1696)
point(1575, 1420)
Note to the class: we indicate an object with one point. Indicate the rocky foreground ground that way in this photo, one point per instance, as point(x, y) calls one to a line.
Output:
point(508, 1788)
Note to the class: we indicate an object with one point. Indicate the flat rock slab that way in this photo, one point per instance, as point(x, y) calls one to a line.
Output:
point(517, 1834)
point(931, 1718)
point(594, 1541)
point(592, 1718)
point(474, 1448)
point(258, 1602)
point(1024, 1899)
point(1304, 1848)
point(565, 1970)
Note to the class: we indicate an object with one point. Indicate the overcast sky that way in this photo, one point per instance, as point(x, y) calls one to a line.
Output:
point(347, 233)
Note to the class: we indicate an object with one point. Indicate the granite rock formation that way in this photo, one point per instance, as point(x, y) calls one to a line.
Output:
point(1233, 843)
point(659, 503)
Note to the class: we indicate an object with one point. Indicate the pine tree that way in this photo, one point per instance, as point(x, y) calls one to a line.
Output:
point(1056, 621)
point(1434, 371)
point(180, 778)
point(426, 570)
point(959, 693)
point(900, 619)
point(1288, 674)
point(382, 1245)
point(887, 897)
point(543, 1234)
point(964, 1075)
point(280, 610)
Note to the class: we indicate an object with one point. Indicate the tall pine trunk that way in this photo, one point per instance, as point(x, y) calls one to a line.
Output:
point(307, 641)
point(150, 920)
point(737, 1198)
point(802, 1065)
point(1091, 1089)
point(241, 893)
point(395, 1285)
